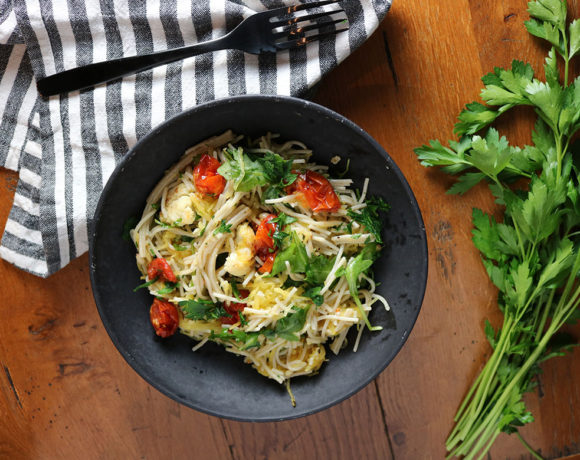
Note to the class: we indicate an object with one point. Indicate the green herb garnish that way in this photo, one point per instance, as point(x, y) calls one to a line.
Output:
point(247, 340)
point(235, 289)
point(293, 322)
point(278, 173)
point(243, 320)
point(177, 223)
point(129, 225)
point(314, 294)
point(318, 269)
point(223, 228)
point(279, 235)
point(169, 287)
point(144, 285)
point(295, 254)
point(285, 328)
point(248, 172)
point(203, 310)
point(369, 216)
point(355, 267)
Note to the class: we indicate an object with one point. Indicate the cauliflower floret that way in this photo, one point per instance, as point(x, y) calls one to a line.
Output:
point(178, 205)
point(240, 261)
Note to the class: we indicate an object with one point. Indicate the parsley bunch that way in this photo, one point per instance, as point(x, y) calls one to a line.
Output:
point(533, 255)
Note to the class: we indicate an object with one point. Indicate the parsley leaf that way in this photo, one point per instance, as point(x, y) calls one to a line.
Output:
point(202, 310)
point(235, 290)
point(291, 323)
point(295, 254)
point(243, 171)
point(574, 37)
point(248, 172)
point(279, 174)
point(169, 287)
point(369, 216)
point(223, 228)
point(291, 283)
point(354, 268)
point(314, 294)
point(279, 235)
point(177, 223)
point(285, 328)
point(318, 268)
point(144, 285)
point(247, 340)
point(243, 320)
point(129, 225)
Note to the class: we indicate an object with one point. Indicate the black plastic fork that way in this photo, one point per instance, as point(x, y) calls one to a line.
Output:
point(268, 31)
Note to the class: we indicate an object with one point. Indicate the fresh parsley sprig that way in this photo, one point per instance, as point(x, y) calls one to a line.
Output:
point(533, 255)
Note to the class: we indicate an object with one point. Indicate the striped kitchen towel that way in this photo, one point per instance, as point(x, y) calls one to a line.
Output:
point(66, 147)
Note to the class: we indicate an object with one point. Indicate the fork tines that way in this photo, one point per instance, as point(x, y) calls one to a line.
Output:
point(301, 7)
point(304, 17)
point(292, 34)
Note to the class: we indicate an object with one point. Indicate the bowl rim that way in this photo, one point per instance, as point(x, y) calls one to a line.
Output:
point(299, 103)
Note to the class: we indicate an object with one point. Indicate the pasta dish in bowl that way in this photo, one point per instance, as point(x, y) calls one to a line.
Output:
point(267, 226)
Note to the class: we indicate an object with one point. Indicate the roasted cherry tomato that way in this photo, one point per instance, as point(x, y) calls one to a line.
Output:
point(316, 192)
point(206, 178)
point(164, 318)
point(264, 243)
point(160, 269)
point(234, 309)
point(268, 263)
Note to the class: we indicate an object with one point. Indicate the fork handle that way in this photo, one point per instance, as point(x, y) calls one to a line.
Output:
point(102, 72)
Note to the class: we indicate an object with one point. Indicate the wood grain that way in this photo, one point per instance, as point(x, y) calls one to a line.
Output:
point(65, 392)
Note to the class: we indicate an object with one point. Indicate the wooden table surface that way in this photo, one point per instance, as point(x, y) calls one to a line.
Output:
point(65, 392)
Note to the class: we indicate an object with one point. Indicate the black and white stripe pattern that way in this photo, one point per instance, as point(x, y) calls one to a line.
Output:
point(66, 147)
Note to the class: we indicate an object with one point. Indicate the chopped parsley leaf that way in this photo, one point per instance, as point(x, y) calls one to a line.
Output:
point(202, 309)
point(144, 285)
point(177, 223)
point(169, 287)
point(369, 216)
point(223, 228)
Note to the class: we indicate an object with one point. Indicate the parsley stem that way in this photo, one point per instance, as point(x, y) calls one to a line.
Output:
point(547, 308)
point(566, 58)
point(559, 153)
point(487, 374)
point(485, 427)
point(528, 447)
point(499, 405)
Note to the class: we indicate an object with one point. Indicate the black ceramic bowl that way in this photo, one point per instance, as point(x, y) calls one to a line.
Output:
point(212, 380)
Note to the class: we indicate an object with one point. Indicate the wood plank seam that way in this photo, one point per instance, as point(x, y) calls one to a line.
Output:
point(384, 418)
